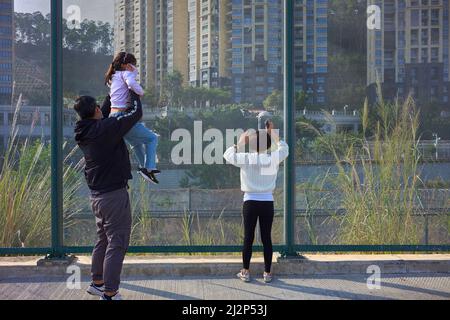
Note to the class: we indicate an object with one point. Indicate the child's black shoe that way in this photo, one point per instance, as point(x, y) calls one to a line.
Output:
point(148, 176)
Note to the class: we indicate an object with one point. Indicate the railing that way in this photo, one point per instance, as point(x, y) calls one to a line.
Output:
point(58, 249)
point(427, 150)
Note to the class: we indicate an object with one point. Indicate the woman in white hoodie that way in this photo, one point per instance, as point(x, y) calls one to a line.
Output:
point(259, 170)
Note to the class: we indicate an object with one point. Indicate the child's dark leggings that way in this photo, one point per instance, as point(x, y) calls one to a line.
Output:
point(264, 210)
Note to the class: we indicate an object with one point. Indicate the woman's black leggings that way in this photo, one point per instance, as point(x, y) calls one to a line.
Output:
point(253, 210)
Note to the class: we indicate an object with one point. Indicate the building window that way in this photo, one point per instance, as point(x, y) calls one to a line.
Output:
point(434, 36)
point(414, 55)
point(434, 54)
point(414, 37)
point(415, 18)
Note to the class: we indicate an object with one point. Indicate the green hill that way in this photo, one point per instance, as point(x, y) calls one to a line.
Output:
point(83, 72)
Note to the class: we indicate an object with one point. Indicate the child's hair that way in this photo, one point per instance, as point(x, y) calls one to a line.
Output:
point(120, 59)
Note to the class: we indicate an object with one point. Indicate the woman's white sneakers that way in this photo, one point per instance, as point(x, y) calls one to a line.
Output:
point(244, 276)
point(267, 277)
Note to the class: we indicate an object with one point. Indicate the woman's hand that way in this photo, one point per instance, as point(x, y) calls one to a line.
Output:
point(244, 139)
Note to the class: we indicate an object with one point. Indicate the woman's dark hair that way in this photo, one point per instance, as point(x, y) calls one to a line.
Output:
point(120, 59)
point(263, 141)
point(85, 107)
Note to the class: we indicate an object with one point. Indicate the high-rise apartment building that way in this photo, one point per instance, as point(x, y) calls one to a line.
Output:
point(409, 54)
point(168, 46)
point(130, 32)
point(156, 31)
point(254, 52)
point(204, 38)
point(311, 49)
point(237, 44)
point(6, 50)
point(254, 56)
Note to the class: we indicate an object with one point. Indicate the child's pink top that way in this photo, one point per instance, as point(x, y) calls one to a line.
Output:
point(121, 82)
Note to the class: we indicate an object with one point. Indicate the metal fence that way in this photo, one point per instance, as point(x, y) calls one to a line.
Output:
point(215, 212)
point(288, 248)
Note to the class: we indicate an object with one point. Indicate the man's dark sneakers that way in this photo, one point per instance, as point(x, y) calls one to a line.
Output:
point(148, 176)
point(95, 290)
point(117, 296)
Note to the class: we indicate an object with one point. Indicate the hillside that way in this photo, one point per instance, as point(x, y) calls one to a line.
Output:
point(83, 72)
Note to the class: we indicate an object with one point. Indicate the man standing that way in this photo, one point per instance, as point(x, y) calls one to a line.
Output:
point(107, 173)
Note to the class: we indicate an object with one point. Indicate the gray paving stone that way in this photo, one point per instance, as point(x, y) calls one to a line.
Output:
point(404, 286)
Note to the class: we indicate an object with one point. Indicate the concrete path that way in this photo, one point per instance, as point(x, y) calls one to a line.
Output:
point(429, 287)
point(212, 278)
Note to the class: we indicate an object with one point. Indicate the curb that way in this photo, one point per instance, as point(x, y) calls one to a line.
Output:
point(228, 267)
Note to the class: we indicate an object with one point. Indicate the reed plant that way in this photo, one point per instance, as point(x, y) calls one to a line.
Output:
point(378, 177)
point(25, 190)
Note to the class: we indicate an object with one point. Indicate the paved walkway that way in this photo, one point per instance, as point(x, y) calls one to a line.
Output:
point(405, 286)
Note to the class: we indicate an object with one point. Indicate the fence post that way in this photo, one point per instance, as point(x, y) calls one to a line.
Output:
point(289, 128)
point(190, 200)
point(56, 129)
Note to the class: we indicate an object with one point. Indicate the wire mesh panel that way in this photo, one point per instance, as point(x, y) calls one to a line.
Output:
point(200, 96)
point(25, 220)
point(365, 112)
point(372, 167)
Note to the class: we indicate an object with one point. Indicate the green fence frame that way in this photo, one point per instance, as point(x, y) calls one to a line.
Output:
point(289, 248)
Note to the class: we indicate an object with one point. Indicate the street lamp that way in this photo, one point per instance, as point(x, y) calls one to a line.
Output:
point(436, 143)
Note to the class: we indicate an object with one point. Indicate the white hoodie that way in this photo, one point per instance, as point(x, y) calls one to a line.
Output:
point(259, 171)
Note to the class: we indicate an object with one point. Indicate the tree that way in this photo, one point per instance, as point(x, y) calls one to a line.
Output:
point(218, 96)
point(172, 87)
point(190, 97)
point(150, 97)
point(204, 96)
point(306, 131)
point(274, 100)
point(105, 36)
point(34, 28)
point(431, 122)
point(301, 99)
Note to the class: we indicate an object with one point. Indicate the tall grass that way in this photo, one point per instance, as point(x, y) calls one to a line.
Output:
point(378, 177)
point(25, 191)
point(316, 198)
point(142, 230)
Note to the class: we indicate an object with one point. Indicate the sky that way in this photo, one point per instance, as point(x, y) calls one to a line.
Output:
point(98, 10)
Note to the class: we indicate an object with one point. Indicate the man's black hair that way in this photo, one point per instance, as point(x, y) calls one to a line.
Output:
point(85, 106)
